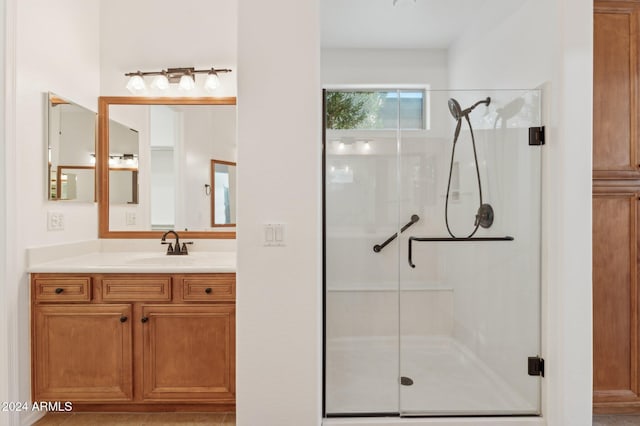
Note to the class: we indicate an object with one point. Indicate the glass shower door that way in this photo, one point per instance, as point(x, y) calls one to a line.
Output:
point(361, 285)
point(470, 278)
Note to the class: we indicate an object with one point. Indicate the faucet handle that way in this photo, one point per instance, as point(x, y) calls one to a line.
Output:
point(170, 248)
point(184, 246)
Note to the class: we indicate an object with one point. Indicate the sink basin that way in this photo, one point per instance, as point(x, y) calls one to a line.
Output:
point(194, 258)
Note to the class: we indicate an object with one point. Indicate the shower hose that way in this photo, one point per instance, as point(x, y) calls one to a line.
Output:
point(480, 216)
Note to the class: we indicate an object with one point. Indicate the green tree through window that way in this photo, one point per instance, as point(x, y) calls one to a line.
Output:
point(371, 110)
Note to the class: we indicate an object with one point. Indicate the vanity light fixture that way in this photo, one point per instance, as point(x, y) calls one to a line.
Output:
point(160, 82)
point(185, 78)
point(136, 83)
point(187, 82)
point(212, 82)
point(123, 160)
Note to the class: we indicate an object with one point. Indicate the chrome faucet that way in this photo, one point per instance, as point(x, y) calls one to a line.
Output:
point(177, 250)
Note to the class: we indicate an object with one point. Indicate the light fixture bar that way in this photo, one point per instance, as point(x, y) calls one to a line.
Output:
point(184, 77)
point(178, 72)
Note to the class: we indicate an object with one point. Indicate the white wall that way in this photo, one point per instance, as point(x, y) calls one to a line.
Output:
point(560, 57)
point(385, 66)
point(64, 61)
point(279, 344)
point(5, 105)
point(66, 64)
point(147, 35)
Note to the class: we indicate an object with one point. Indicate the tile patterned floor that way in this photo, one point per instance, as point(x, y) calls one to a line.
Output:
point(617, 420)
point(137, 419)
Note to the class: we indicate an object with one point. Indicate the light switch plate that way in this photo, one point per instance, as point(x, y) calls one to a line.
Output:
point(274, 235)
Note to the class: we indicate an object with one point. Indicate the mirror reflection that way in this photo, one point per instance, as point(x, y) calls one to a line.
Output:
point(71, 147)
point(123, 164)
point(223, 199)
point(161, 173)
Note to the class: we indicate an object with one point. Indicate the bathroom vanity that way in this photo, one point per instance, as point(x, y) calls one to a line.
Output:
point(109, 335)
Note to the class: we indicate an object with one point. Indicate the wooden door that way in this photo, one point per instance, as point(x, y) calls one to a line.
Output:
point(615, 90)
point(82, 353)
point(189, 353)
point(615, 296)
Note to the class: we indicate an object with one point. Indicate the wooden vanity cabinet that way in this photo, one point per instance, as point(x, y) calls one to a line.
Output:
point(188, 352)
point(134, 342)
point(82, 353)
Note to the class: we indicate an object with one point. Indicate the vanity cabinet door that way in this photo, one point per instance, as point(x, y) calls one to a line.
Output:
point(82, 353)
point(189, 353)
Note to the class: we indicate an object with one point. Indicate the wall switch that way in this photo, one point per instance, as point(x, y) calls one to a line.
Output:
point(130, 218)
point(268, 234)
point(274, 234)
point(279, 233)
point(55, 221)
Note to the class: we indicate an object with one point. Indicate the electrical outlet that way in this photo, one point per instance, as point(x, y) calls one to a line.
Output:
point(55, 221)
point(131, 218)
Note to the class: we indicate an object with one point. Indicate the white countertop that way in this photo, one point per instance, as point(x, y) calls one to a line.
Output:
point(103, 256)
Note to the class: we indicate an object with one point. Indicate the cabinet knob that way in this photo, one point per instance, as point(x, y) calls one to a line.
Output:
point(208, 290)
point(59, 290)
point(123, 318)
point(144, 319)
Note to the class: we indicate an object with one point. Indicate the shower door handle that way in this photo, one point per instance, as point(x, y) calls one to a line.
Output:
point(378, 247)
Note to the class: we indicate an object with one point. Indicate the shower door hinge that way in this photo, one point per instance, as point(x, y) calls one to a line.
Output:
point(536, 136)
point(536, 366)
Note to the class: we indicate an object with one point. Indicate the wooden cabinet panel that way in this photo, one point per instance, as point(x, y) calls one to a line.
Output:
point(208, 288)
point(82, 353)
point(189, 352)
point(134, 288)
point(615, 106)
point(615, 296)
point(62, 289)
point(98, 353)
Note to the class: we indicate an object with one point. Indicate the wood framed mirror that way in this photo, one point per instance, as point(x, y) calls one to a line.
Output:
point(168, 144)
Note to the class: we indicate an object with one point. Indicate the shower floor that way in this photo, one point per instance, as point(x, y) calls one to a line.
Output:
point(448, 379)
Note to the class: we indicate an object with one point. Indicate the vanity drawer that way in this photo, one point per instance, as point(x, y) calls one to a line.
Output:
point(136, 288)
point(208, 288)
point(63, 289)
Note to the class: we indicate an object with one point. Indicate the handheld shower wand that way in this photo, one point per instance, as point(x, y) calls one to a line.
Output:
point(484, 215)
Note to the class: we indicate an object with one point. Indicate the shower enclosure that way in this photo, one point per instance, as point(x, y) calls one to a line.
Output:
point(431, 322)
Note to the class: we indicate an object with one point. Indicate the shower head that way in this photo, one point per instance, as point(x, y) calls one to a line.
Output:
point(458, 112)
point(454, 108)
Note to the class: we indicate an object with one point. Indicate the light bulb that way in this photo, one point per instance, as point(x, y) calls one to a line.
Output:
point(136, 84)
point(212, 82)
point(187, 82)
point(161, 82)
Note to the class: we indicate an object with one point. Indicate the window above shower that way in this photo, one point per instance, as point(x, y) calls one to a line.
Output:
point(377, 109)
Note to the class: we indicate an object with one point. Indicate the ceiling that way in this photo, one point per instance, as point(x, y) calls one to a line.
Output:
point(408, 24)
